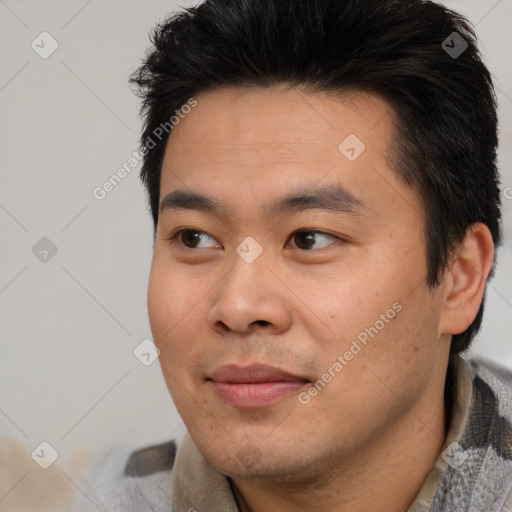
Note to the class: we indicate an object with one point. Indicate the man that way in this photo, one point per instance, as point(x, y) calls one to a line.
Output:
point(322, 179)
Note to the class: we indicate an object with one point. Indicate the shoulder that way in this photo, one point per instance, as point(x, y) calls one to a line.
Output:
point(127, 479)
point(151, 460)
point(490, 418)
point(495, 375)
point(487, 437)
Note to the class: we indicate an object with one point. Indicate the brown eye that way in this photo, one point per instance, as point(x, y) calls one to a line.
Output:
point(306, 239)
point(192, 239)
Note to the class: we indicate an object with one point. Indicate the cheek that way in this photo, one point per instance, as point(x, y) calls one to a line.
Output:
point(345, 301)
point(382, 310)
point(174, 305)
point(173, 319)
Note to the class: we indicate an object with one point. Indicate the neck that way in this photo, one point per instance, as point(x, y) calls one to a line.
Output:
point(386, 475)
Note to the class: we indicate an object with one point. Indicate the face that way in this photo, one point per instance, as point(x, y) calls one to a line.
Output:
point(287, 292)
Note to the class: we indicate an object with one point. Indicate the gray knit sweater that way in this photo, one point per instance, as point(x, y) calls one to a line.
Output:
point(473, 473)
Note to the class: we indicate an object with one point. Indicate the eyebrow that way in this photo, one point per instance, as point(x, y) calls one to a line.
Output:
point(328, 197)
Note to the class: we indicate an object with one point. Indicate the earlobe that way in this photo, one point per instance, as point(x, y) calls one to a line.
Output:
point(465, 279)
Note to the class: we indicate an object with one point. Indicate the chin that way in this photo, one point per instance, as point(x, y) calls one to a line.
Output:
point(244, 460)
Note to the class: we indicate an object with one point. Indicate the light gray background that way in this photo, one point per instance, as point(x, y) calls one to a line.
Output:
point(67, 123)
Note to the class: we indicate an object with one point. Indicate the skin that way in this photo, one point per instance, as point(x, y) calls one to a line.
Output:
point(368, 439)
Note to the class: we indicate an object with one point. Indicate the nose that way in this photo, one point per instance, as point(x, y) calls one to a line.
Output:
point(248, 299)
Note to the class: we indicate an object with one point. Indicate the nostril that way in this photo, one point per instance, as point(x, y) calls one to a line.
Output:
point(261, 322)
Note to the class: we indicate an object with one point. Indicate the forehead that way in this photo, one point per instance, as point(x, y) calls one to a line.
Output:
point(238, 119)
point(255, 142)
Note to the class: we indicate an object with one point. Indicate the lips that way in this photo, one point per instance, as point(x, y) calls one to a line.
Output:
point(253, 386)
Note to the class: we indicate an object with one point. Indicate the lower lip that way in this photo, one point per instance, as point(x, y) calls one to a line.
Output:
point(260, 394)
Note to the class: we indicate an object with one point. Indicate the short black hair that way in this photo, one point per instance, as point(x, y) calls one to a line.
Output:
point(421, 57)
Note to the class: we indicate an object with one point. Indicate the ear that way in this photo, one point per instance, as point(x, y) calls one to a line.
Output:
point(465, 278)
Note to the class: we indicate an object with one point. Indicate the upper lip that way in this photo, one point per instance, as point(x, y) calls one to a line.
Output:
point(254, 373)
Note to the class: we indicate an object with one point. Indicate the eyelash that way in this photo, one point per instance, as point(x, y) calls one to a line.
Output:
point(176, 236)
